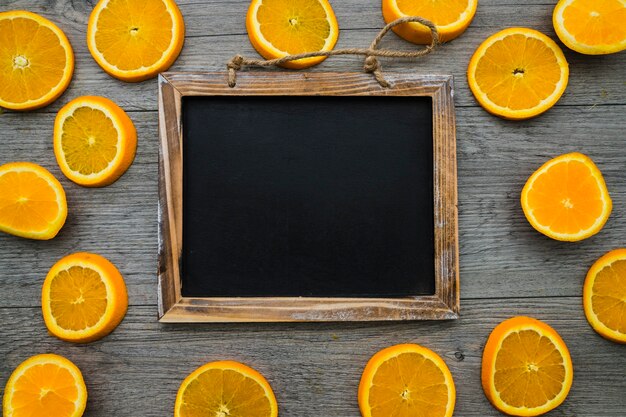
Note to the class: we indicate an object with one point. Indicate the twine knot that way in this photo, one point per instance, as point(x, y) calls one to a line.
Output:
point(370, 65)
point(233, 66)
point(235, 63)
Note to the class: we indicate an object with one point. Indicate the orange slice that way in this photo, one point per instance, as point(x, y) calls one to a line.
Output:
point(451, 17)
point(225, 388)
point(94, 141)
point(527, 369)
point(566, 198)
point(32, 201)
point(83, 298)
point(277, 28)
point(36, 61)
point(604, 296)
point(406, 380)
point(44, 386)
point(518, 73)
point(135, 40)
point(593, 27)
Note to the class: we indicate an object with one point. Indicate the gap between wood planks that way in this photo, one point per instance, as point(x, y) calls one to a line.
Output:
point(458, 106)
point(534, 297)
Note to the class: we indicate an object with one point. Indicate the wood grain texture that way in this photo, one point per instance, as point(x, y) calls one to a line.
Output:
point(170, 197)
point(500, 253)
point(173, 307)
point(216, 31)
point(314, 368)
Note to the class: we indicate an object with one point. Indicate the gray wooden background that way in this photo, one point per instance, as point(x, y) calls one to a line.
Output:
point(506, 267)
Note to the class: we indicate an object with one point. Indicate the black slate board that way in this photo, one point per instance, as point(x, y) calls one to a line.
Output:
point(307, 196)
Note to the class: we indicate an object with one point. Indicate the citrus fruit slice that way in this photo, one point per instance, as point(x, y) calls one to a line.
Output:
point(526, 369)
point(406, 380)
point(604, 296)
point(83, 298)
point(518, 73)
point(44, 386)
point(593, 27)
point(225, 388)
point(94, 141)
point(451, 17)
point(135, 40)
point(566, 198)
point(36, 61)
point(277, 28)
point(32, 201)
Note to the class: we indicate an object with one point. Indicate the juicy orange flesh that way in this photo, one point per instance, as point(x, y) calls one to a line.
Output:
point(440, 12)
point(518, 72)
point(294, 26)
point(217, 392)
point(27, 201)
point(32, 60)
point(78, 298)
point(89, 141)
point(529, 370)
point(132, 35)
point(408, 385)
point(608, 298)
point(44, 390)
point(566, 198)
point(594, 22)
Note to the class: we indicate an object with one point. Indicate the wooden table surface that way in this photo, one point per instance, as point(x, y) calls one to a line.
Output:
point(506, 267)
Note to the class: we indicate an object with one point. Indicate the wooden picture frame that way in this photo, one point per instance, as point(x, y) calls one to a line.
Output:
point(173, 307)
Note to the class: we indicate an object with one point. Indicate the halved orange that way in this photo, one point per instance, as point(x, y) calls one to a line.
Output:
point(44, 386)
point(277, 28)
point(36, 61)
point(604, 296)
point(592, 27)
point(225, 388)
point(566, 198)
point(406, 380)
point(32, 201)
point(527, 369)
point(451, 17)
point(135, 40)
point(518, 73)
point(94, 141)
point(83, 298)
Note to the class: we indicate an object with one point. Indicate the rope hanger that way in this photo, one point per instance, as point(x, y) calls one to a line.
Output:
point(371, 64)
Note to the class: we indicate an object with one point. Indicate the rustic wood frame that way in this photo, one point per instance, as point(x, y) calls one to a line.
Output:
point(173, 307)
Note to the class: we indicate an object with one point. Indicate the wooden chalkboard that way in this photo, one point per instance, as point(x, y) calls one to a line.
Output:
point(307, 197)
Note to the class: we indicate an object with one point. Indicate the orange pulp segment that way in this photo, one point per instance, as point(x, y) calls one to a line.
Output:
point(604, 296)
point(277, 28)
point(94, 141)
point(225, 388)
point(83, 298)
point(406, 380)
point(36, 61)
point(44, 386)
point(32, 201)
point(527, 369)
point(518, 73)
point(591, 27)
point(451, 17)
point(135, 40)
point(566, 198)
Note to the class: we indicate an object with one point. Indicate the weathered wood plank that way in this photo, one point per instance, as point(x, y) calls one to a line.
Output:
point(216, 32)
point(313, 368)
point(500, 254)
